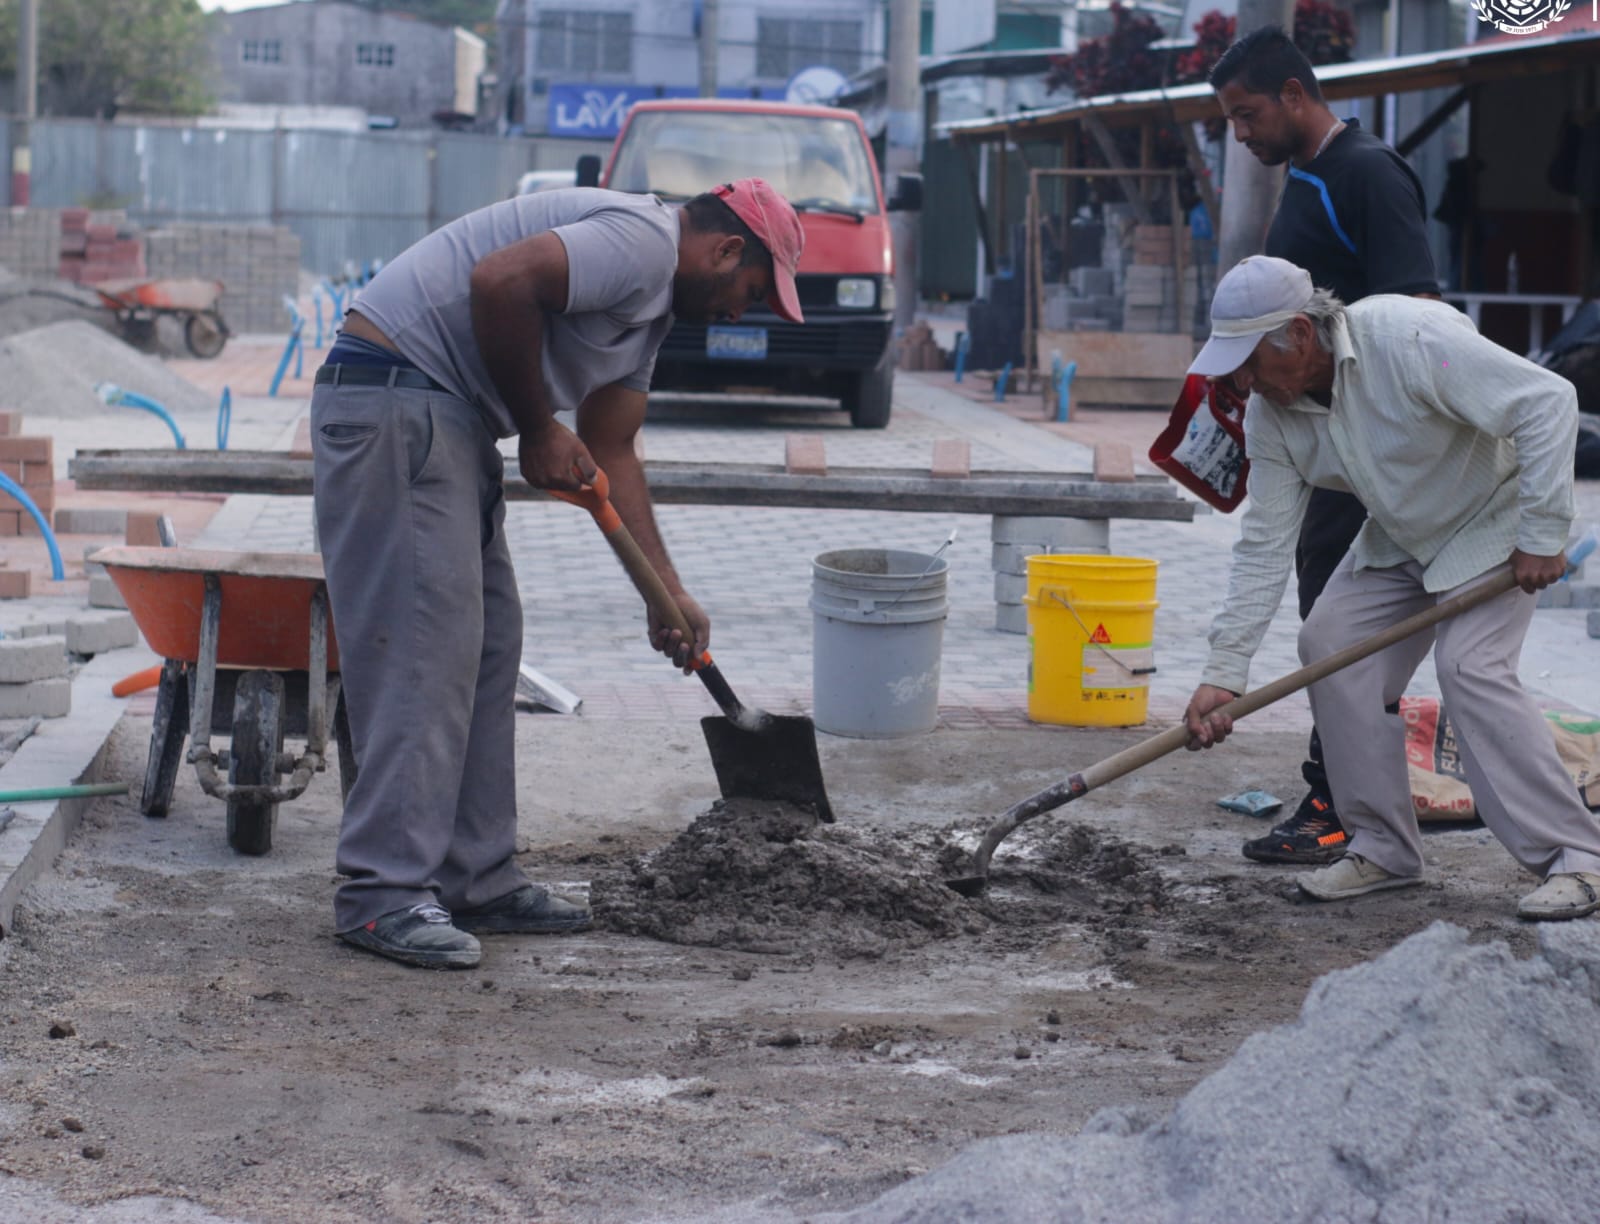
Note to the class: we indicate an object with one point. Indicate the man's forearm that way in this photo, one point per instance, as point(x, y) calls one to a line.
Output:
point(630, 494)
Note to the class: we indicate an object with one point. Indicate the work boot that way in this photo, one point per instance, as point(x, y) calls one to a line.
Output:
point(530, 910)
point(1564, 894)
point(1351, 876)
point(420, 935)
point(1312, 835)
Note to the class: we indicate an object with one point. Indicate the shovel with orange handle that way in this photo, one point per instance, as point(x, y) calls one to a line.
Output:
point(756, 755)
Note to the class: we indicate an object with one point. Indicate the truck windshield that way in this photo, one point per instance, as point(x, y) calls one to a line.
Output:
point(816, 163)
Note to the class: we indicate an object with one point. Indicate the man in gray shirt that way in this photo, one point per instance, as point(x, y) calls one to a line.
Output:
point(483, 330)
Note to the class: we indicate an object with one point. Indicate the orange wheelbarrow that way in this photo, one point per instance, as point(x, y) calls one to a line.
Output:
point(250, 652)
point(138, 303)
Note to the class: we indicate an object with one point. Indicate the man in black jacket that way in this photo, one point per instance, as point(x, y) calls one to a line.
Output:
point(1352, 214)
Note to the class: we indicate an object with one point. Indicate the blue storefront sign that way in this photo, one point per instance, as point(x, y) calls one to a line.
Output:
point(597, 111)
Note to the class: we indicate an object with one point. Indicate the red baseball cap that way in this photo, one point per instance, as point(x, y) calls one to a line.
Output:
point(772, 219)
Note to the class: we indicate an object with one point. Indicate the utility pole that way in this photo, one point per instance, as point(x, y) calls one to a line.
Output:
point(708, 48)
point(1249, 189)
point(27, 103)
point(904, 145)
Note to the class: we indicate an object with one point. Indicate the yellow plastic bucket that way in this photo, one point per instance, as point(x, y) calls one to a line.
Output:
point(1091, 636)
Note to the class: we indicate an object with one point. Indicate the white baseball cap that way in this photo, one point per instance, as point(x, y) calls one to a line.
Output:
point(1258, 295)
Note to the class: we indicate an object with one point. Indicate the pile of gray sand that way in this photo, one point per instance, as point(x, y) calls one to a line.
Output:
point(1443, 1081)
point(52, 372)
point(761, 876)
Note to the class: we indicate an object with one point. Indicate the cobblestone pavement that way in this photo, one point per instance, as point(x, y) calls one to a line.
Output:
point(751, 569)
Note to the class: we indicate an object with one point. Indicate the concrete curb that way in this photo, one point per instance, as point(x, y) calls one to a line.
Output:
point(61, 752)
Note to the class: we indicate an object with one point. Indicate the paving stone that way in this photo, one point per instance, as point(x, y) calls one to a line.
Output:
point(95, 633)
point(40, 698)
point(86, 520)
point(23, 659)
point(103, 593)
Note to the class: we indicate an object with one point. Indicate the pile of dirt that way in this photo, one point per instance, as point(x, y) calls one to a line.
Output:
point(26, 305)
point(760, 876)
point(1452, 1081)
point(52, 371)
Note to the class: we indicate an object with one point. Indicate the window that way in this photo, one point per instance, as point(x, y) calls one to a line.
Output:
point(584, 42)
point(375, 55)
point(261, 51)
point(785, 45)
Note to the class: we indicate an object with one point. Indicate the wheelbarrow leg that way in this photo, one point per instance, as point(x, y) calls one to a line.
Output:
point(169, 729)
point(347, 747)
point(259, 712)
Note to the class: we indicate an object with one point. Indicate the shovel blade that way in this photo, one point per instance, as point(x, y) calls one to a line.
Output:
point(778, 761)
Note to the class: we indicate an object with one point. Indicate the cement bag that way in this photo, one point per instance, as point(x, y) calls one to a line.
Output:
point(1439, 787)
point(1202, 447)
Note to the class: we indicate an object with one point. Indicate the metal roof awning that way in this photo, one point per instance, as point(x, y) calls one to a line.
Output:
point(1458, 67)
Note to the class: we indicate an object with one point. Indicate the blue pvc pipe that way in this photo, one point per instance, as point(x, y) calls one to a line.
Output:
point(288, 351)
point(57, 571)
point(224, 418)
point(113, 394)
point(316, 301)
point(1000, 384)
point(963, 342)
point(1064, 377)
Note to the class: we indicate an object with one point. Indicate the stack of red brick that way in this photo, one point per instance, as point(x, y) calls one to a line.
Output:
point(95, 252)
point(31, 463)
point(919, 350)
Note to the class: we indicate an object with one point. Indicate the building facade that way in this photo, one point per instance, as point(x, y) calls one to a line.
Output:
point(573, 69)
point(323, 53)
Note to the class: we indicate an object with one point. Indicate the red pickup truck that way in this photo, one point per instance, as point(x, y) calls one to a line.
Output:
point(821, 160)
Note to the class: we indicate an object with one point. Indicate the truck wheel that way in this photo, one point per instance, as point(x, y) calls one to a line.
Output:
point(869, 396)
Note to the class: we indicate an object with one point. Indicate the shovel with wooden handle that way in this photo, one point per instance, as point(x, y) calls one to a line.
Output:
point(1153, 749)
point(756, 755)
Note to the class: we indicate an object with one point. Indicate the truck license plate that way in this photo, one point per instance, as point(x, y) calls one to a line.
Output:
point(737, 343)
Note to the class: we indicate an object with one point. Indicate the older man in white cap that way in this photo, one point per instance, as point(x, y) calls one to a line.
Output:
point(1462, 454)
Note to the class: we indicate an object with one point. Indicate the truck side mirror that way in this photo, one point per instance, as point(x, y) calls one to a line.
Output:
point(589, 171)
point(907, 195)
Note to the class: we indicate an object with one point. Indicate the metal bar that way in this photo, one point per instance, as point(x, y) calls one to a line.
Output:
point(317, 685)
point(205, 672)
point(985, 239)
point(1108, 149)
point(1430, 125)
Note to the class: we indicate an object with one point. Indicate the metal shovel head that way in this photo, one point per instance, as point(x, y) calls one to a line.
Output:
point(777, 761)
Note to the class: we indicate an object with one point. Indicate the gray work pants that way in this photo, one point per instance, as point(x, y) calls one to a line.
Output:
point(410, 511)
point(1521, 790)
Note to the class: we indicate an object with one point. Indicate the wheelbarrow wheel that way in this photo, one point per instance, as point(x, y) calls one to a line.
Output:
point(168, 730)
point(204, 335)
point(259, 712)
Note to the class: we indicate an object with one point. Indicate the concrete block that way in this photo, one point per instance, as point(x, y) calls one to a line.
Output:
point(87, 520)
point(1594, 623)
point(1558, 595)
point(1010, 588)
point(98, 632)
point(16, 584)
point(805, 455)
point(103, 593)
point(1013, 558)
point(1113, 461)
point(1584, 596)
point(1050, 534)
point(41, 698)
point(1011, 618)
point(46, 628)
point(952, 458)
point(23, 660)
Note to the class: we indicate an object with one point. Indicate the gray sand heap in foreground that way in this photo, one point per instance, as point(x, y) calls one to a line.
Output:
point(52, 371)
point(1443, 1081)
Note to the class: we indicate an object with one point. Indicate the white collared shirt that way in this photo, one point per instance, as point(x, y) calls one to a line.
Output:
point(1460, 450)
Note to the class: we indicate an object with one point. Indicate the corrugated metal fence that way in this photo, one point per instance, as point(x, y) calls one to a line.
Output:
point(351, 196)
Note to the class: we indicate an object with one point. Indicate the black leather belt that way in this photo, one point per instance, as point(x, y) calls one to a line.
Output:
point(410, 377)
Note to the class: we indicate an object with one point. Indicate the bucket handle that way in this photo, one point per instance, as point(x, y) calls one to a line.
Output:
point(926, 570)
point(1060, 597)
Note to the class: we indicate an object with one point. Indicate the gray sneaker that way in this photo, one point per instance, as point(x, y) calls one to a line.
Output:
point(530, 910)
point(420, 935)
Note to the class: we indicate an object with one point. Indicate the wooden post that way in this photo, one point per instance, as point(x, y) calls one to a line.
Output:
point(1003, 237)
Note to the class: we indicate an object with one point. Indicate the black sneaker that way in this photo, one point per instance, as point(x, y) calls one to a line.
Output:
point(530, 910)
point(421, 935)
point(1312, 835)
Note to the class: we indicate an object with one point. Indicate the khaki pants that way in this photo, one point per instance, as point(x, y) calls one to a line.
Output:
point(1522, 791)
point(411, 512)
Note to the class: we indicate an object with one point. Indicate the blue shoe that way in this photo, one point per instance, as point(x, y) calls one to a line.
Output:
point(530, 910)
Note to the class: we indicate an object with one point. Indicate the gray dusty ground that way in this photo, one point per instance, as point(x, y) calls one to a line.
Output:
point(222, 1048)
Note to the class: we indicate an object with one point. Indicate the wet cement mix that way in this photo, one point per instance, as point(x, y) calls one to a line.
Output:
point(759, 876)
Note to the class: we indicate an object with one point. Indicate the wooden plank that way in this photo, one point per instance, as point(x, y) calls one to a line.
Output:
point(1045, 493)
point(1161, 355)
